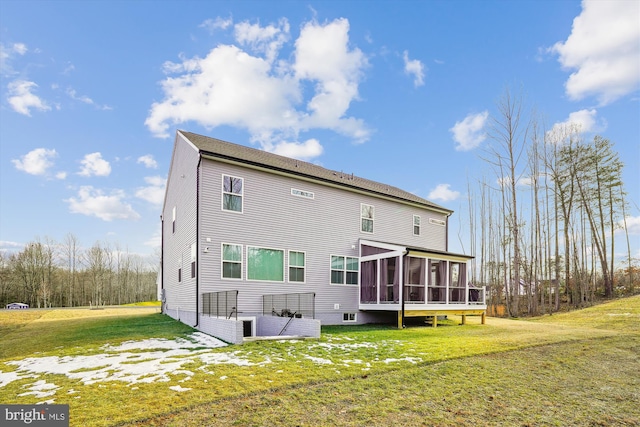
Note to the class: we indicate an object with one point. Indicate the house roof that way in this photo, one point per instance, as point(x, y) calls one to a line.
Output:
point(217, 148)
point(415, 250)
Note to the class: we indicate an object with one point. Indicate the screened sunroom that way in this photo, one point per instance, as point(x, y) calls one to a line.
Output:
point(416, 281)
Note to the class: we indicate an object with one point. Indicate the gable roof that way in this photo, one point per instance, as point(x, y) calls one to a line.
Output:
point(216, 148)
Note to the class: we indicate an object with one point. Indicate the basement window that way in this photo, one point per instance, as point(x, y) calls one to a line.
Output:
point(349, 317)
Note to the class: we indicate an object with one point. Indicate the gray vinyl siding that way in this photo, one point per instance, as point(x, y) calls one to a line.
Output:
point(327, 225)
point(181, 193)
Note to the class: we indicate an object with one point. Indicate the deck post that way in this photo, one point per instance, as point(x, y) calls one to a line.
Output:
point(484, 314)
point(400, 319)
point(464, 319)
point(435, 319)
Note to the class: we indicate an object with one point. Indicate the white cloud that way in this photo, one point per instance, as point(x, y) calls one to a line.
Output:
point(444, 193)
point(7, 246)
point(256, 92)
point(36, 162)
point(469, 133)
point(69, 69)
point(22, 100)
point(148, 161)
point(93, 202)
point(414, 67)
point(94, 164)
point(298, 150)
point(633, 225)
point(7, 53)
point(524, 181)
point(85, 99)
point(263, 40)
point(216, 24)
point(322, 55)
point(155, 241)
point(603, 50)
point(20, 48)
point(227, 87)
point(154, 192)
point(61, 175)
point(577, 122)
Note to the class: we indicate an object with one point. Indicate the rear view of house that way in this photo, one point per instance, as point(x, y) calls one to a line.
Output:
point(258, 244)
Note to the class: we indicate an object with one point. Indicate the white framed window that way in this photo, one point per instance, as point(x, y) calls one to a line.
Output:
point(180, 269)
point(344, 270)
point(349, 317)
point(232, 193)
point(265, 264)
point(416, 225)
point(302, 193)
point(231, 261)
point(193, 260)
point(173, 220)
point(297, 266)
point(366, 218)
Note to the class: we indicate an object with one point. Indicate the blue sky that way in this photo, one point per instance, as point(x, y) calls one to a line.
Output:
point(398, 92)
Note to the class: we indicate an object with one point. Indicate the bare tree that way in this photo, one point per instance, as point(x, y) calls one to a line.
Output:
point(96, 264)
point(71, 252)
point(509, 133)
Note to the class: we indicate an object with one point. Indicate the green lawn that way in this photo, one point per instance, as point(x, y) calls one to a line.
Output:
point(577, 368)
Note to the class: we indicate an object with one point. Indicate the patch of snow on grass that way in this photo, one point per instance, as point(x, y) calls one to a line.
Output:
point(354, 346)
point(318, 360)
point(8, 377)
point(347, 362)
point(227, 358)
point(195, 340)
point(178, 388)
point(155, 360)
point(41, 389)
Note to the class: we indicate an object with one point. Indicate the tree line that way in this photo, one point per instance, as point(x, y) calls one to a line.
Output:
point(544, 222)
point(50, 274)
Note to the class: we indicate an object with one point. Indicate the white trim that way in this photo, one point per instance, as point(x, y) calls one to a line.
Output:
point(222, 261)
point(262, 280)
point(241, 194)
point(419, 225)
point(380, 245)
point(438, 257)
point(304, 267)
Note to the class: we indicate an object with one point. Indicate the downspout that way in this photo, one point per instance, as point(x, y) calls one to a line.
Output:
point(198, 241)
point(446, 235)
point(163, 297)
